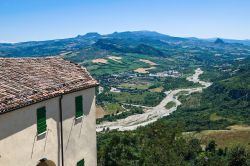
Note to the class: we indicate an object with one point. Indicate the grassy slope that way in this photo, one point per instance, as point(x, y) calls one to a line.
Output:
point(234, 135)
point(241, 81)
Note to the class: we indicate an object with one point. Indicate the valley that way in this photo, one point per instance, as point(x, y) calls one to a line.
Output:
point(151, 115)
point(180, 95)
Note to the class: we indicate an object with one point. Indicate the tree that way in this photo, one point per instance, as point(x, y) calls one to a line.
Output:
point(194, 149)
point(237, 157)
point(211, 147)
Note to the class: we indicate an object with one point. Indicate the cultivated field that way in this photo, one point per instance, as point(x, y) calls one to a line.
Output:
point(115, 58)
point(100, 60)
point(143, 70)
point(148, 62)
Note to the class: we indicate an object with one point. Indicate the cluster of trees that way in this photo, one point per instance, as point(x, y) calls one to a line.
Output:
point(162, 145)
point(105, 97)
point(171, 83)
point(122, 115)
point(145, 98)
point(152, 99)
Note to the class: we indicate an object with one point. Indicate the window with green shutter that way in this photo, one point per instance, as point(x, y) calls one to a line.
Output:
point(41, 120)
point(80, 163)
point(79, 106)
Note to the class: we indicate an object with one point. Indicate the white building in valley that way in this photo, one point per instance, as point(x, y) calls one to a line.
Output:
point(47, 110)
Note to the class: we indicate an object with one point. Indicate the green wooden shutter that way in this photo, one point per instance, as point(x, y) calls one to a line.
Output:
point(41, 120)
point(80, 163)
point(79, 106)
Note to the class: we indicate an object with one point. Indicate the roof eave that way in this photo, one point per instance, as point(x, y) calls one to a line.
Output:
point(48, 98)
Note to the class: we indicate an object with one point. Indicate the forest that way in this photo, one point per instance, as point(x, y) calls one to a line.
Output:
point(162, 144)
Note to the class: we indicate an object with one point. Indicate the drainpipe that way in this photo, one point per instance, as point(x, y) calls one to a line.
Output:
point(61, 127)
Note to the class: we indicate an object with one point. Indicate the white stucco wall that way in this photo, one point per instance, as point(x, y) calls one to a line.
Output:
point(79, 135)
point(19, 144)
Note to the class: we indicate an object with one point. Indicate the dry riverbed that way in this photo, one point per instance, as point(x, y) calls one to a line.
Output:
point(153, 114)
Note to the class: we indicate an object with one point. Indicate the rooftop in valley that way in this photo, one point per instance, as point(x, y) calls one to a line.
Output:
point(25, 81)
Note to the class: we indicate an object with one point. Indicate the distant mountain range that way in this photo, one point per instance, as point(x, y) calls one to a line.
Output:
point(115, 41)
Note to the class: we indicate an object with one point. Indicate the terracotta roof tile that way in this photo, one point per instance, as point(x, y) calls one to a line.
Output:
point(25, 81)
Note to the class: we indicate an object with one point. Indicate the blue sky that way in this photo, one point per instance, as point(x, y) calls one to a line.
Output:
point(25, 20)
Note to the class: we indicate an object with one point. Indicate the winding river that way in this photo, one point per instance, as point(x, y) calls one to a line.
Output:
point(153, 114)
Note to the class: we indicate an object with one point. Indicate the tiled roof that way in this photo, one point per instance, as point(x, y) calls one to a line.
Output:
point(25, 81)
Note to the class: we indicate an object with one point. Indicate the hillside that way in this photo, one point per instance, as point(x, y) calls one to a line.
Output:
point(138, 70)
point(118, 41)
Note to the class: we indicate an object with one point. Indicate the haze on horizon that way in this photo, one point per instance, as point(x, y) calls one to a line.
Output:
point(54, 19)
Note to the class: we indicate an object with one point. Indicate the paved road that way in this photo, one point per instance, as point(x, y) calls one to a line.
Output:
point(153, 114)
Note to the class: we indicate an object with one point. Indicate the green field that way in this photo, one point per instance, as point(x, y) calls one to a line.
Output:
point(137, 85)
point(144, 98)
point(112, 108)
